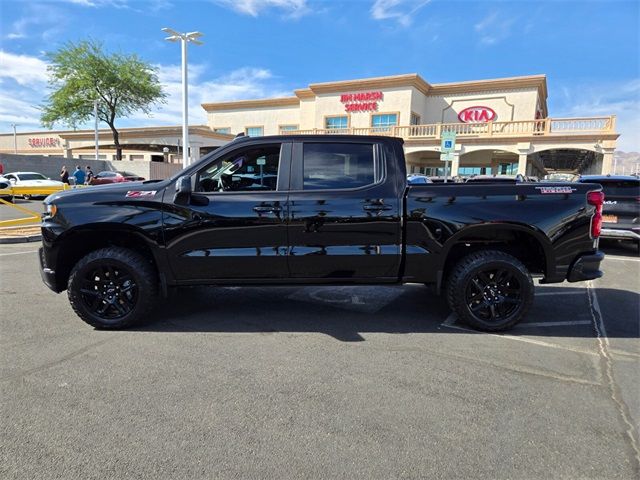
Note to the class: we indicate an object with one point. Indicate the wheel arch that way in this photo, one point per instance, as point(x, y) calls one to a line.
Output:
point(529, 245)
point(77, 242)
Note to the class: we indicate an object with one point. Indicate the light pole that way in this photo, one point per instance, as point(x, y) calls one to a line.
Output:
point(184, 39)
point(15, 139)
point(95, 128)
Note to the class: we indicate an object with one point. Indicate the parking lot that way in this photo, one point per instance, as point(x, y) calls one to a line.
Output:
point(321, 382)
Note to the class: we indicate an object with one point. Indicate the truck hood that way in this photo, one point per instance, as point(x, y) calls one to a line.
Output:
point(106, 193)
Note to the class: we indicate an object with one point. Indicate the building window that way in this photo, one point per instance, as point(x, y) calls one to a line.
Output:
point(383, 121)
point(336, 123)
point(508, 169)
point(288, 128)
point(254, 131)
point(472, 171)
point(415, 119)
point(222, 130)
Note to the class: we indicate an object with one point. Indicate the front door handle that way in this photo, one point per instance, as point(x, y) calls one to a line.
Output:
point(266, 209)
point(377, 207)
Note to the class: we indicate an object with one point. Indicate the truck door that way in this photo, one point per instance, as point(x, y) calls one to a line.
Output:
point(235, 226)
point(344, 216)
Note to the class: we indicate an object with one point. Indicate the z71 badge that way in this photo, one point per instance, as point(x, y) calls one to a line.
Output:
point(556, 189)
point(138, 193)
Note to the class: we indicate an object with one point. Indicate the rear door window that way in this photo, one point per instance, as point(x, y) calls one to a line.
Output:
point(332, 166)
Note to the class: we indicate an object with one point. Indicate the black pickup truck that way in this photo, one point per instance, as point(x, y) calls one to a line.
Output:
point(329, 209)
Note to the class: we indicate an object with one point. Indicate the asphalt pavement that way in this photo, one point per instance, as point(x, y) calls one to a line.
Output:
point(321, 382)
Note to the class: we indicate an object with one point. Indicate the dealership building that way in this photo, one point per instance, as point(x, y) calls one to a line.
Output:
point(160, 144)
point(502, 126)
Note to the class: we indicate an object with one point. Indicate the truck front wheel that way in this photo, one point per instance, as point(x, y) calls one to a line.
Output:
point(112, 288)
point(490, 290)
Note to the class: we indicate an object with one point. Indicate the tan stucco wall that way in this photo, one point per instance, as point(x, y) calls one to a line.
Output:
point(311, 113)
point(509, 105)
point(22, 140)
point(269, 118)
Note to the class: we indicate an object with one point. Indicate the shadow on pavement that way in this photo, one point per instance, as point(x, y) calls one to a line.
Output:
point(344, 312)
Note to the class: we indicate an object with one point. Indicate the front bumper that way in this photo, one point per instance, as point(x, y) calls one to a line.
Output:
point(48, 276)
point(586, 267)
point(618, 233)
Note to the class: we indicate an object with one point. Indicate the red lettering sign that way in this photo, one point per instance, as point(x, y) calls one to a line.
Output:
point(477, 115)
point(44, 142)
point(362, 101)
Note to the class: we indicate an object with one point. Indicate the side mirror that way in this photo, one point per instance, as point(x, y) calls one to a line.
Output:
point(183, 191)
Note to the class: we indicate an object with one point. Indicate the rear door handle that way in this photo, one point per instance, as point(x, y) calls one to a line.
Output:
point(266, 209)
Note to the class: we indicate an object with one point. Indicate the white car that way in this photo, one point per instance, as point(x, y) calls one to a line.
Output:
point(5, 186)
point(31, 179)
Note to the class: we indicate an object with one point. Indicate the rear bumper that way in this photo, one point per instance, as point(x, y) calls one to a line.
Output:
point(586, 267)
point(618, 233)
point(48, 276)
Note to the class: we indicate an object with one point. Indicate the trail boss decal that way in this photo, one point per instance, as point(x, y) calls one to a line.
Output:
point(138, 193)
point(547, 190)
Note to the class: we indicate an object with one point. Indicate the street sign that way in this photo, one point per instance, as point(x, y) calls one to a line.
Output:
point(447, 157)
point(261, 161)
point(447, 141)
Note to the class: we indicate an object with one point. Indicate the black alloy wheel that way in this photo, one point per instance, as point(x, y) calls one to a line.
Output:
point(109, 291)
point(493, 294)
point(490, 290)
point(113, 288)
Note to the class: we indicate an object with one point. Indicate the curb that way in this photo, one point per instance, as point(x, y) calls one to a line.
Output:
point(25, 239)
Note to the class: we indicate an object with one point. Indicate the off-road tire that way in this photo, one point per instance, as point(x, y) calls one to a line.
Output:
point(135, 265)
point(467, 269)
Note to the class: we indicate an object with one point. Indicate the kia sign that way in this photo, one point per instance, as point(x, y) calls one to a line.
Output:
point(477, 115)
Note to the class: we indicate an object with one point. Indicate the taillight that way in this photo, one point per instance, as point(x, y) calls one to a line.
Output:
point(596, 199)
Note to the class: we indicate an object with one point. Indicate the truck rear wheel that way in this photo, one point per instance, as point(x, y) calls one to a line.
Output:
point(490, 290)
point(112, 288)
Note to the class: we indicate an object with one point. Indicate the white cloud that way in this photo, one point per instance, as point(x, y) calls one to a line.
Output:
point(621, 99)
point(13, 109)
point(292, 8)
point(44, 26)
point(99, 3)
point(401, 11)
point(243, 83)
point(494, 28)
point(23, 69)
point(23, 82)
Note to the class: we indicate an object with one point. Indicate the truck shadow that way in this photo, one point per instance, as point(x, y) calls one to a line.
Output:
point(345, 312)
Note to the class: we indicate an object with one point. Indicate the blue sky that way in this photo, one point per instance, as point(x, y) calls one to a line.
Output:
point(590, 50)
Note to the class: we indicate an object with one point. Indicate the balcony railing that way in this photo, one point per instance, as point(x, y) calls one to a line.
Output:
point(517, 128)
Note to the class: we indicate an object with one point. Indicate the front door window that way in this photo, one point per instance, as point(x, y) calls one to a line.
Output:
point(254, 169)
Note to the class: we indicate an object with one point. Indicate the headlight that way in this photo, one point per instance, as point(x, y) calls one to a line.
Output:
point(50, 210)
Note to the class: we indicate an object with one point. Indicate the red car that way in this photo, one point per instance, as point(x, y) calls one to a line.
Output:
point(115, 177)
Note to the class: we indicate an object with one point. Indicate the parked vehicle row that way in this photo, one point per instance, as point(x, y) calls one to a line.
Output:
point(621, 209)
point(36, 179)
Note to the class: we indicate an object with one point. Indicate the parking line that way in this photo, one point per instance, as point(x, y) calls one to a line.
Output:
point(17, 253)
point(572, 292)
point(450, 322)
point(554, 324)
point(608, 372)
point(622, 259)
